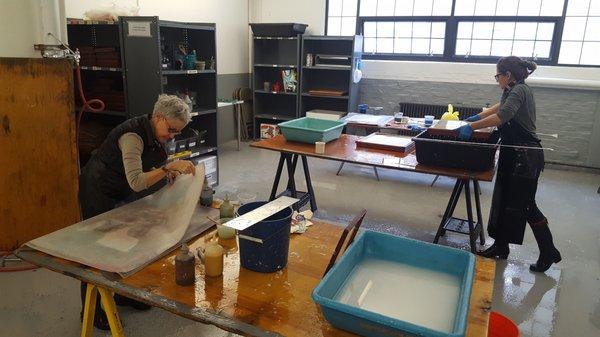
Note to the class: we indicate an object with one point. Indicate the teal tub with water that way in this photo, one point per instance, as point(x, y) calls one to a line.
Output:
point(386, 285)
point(311, 130)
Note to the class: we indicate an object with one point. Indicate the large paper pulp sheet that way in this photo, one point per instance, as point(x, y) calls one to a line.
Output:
point(129, 237)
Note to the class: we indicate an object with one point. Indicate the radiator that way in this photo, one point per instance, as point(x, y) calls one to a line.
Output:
point(419, 110)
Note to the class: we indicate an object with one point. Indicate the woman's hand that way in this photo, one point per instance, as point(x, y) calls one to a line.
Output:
point(182, 167)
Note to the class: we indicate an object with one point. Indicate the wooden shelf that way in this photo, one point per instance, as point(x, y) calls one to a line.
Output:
point(193, 152)
point(266, 65)
point(325, 96)
point(202, 112)
point(71, 21)
point(94, 68)
point(187, 72)
point(275, 38)
point(343, 68)
point(274, 117)
point(275, 93)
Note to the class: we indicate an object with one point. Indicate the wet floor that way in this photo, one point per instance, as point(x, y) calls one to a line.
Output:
point(563, 302)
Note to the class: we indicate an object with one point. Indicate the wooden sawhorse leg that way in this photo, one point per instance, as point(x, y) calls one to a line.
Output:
point(110, 308)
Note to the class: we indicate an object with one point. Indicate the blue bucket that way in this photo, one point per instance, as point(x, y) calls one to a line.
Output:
point(272, 254)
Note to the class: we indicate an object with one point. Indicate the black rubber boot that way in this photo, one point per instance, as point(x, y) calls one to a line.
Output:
point(498, 250)
point(548, 252)
point(126, 301)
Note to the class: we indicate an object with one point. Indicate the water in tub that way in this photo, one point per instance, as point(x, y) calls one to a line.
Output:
point(423, 297)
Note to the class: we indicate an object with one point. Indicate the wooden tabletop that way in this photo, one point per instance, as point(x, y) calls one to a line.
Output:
point(251, 303)
point(344, 149)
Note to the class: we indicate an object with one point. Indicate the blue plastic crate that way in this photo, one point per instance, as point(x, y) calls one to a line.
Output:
point(390, 248)
point(311, 130)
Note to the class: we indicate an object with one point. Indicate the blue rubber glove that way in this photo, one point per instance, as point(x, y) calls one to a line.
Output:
point(473, 118)
point(465, 132)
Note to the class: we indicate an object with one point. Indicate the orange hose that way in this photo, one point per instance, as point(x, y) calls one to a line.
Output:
point(87, 105)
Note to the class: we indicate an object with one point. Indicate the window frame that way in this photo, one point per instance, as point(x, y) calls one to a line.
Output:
point(450, 38)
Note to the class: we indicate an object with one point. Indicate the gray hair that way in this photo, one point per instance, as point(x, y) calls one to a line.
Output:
point(171, 106)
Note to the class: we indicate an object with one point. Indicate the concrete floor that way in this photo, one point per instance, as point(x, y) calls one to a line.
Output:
point(563, 302)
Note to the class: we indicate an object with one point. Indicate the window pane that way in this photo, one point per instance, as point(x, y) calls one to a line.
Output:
point(334, 24)
point(349, 7)
point(385, 45)
point(421, 29)
point(385, 7)
point(552, 7)
point(485, 7)
point(335, 8)
point(481, 47)
point(545, 31)
point(578, 7)
point(464, 30)
point(348, 26)
point(370, 29)
point(368, 7)
point(504, 30)
point(574, 29)
point(483, 30)
point(595, 8)
point(437, 46)
point(423, 7)
point(590, 52)
point(403, 29)
point(464, 7)
point(525, 31)
point(529, 7)
point(523, 48)
point(420, 46)
point(463, 47)
point(569, 52)
point(438, 29)
point(507, 7)
point(441, 7)
point(404, 8)
point(501, 48)
point(592, 31)
point(385, 29)
point(542, 49)
point(402, 46)
point(370, 45)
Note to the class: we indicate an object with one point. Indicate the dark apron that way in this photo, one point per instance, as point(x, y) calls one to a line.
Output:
point(516, 184)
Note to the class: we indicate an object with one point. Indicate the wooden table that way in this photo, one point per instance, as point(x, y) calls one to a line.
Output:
point(344, 150)
point(247, 302)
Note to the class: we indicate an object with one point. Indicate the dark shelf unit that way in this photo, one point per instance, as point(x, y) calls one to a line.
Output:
point(329, 76)
point(272, 55)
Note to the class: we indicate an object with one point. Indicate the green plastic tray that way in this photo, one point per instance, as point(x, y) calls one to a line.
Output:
point(311, 130)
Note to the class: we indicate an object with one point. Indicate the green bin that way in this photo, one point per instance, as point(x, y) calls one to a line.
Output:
point(311, 130)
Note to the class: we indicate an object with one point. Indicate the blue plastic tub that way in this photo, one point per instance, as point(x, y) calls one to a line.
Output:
point(272, 254)
point(373, 246)
point(311, 130)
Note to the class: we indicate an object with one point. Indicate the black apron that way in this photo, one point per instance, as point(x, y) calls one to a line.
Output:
point(103, 184)
point(513, 199)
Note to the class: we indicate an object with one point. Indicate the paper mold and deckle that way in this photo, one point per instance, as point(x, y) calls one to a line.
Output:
point(127, 238)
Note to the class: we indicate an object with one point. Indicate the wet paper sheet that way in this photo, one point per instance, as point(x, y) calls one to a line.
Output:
point(128, 238)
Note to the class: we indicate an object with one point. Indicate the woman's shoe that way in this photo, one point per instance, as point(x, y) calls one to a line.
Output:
point(496, 251)
point(544, 262)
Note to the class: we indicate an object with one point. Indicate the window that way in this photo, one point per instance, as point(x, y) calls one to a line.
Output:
point(472, 30)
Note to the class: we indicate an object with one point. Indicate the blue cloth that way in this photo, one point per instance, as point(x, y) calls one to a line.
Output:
point(465, 132)
point(473, 118)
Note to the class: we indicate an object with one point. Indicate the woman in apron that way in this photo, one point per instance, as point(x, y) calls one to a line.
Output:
point(519, 166)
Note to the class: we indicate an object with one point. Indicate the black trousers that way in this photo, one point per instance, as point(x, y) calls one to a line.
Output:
point(513, 201)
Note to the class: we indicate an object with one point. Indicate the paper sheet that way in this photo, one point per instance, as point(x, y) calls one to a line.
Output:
point(129, 237)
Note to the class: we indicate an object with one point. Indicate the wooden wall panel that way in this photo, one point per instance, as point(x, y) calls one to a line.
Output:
point(38, 154)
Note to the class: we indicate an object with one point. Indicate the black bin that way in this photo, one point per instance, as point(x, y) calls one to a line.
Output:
point(443, 151)
point(278, 29)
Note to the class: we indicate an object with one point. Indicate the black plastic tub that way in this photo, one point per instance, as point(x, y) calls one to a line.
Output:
point(278, 29)
point(473, 155)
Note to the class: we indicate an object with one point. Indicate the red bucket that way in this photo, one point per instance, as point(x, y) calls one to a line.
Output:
point(500, 326)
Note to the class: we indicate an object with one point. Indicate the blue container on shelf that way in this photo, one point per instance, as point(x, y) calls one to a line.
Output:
point(340, 292)
point(311, 130)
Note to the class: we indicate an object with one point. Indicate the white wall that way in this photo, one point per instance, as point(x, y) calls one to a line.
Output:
point(231, 17)
point(310, 12)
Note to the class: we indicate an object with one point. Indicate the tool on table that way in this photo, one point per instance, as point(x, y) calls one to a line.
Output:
point(486, 144)
point(184, 267)
point(212, 257)
point(244, 221)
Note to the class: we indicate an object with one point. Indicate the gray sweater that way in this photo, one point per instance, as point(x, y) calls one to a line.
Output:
point(518, 104)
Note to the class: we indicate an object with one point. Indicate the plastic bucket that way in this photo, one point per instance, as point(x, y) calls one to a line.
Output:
point(501, 326)
point(271, 254)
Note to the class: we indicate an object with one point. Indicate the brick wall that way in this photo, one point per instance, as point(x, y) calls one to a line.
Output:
point(571, 113)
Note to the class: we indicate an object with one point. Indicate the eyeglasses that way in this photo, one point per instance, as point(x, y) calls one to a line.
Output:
point(497, 76)
point(172, 130)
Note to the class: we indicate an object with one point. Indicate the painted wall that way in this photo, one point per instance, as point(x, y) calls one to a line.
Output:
point(231, 17)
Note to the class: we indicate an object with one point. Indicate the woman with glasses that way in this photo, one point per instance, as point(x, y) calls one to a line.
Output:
point(519, 165)
point(130, 164)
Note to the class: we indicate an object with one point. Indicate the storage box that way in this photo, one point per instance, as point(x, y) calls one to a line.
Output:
point(430, 264)
point(311, 130)
point(448, 151)
point(330, 115)
point(268, 131)
point(278, 29)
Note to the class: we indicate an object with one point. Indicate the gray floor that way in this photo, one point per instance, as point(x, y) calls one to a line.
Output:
point(564, 302)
